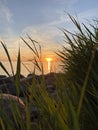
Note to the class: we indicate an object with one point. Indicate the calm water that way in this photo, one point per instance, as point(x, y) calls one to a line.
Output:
point(29, 67)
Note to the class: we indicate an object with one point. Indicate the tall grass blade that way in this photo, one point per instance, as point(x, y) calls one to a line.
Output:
point(33, 41)
point(2, 124)
point(86, 81)
point(18, 71)
point(5, 70)
point(8, 56)
point(29, 46)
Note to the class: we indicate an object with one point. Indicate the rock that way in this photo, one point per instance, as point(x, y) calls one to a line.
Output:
point(9, 106)
point(14, 77)
point(51, 88)
point(11, 79)
point(2, 76)
point(10, 97)
point(5, 80)
point(34, 113)
point(10, 88)
point(28, 80)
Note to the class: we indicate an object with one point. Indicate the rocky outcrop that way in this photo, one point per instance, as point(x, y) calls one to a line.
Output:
point(8, 85)
point(8, 97)
point(11, 106)
point(10, 88)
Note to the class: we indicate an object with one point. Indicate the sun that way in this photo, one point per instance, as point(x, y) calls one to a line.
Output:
point(48, 59)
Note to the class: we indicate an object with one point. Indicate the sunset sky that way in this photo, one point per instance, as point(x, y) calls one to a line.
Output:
point(42, 20)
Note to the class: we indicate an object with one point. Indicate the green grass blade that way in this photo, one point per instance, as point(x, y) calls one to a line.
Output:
point(29, 46)
point(18, 71)
point(86, 81)
point(2, 124)
point(33, 41)
point(8, 56)
point(5, 70)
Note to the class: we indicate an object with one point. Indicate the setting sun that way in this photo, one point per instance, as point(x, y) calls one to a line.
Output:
point(49, 59)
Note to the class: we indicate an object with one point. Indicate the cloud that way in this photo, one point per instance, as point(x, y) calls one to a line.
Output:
point(49, 38)
point(83, 16)
point(88, 14)
point(5, 13)
point(6, 21)
point(68, 2)
point(46, 35)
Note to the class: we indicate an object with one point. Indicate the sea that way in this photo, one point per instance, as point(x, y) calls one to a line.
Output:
point(28, 67)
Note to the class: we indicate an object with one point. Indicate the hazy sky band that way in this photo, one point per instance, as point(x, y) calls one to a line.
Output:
point(41, 19)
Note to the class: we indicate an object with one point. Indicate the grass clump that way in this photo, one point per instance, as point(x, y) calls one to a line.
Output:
point(80, 66)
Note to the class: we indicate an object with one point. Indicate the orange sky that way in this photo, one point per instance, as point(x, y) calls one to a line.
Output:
point(26, 55)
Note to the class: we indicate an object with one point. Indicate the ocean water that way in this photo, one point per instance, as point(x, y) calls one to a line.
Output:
point(28, 67)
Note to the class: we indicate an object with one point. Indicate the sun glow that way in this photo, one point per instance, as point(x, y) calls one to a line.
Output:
point(49, 63)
